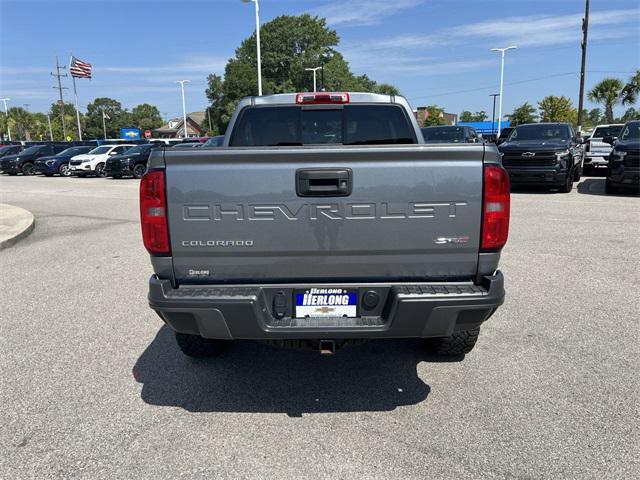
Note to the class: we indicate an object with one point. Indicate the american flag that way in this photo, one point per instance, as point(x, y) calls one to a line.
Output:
point(79, 69)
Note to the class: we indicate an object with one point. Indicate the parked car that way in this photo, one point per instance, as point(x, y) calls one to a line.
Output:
point(214, 142)
point(59, 163)
point(330, 238)
point(7, 150)
point(24, 162)
point(132, 163)
point(623, 171)
point(547, 154)
point(504, 134)
point(93, 162)
point(596, 150)
point(450, 134)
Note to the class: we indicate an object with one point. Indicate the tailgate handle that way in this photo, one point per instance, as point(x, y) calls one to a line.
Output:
point(324, 182)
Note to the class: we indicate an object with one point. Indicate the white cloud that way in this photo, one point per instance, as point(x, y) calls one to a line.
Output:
point(362, 12)
point(195, 64)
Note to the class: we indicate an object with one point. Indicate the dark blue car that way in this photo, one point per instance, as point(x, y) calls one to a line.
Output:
point(59, 163)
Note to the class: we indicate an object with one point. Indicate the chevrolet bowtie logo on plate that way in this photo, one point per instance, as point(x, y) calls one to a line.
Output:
point(325, 310)
point(529, 154)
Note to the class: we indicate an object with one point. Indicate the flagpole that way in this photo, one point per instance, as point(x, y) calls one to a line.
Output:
point(104, 126)
point(75, 93)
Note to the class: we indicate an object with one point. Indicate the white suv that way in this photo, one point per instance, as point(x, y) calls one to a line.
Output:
point(596, 151)
point(93, 163)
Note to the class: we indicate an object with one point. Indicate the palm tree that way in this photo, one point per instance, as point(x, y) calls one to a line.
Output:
point(608, 93)
point(20, 122)
point(631, 90)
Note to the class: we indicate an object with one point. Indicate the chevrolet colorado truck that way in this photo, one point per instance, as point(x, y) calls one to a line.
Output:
point(325, 220)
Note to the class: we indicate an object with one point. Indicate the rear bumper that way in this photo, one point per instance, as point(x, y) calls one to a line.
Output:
point(404, 311)
point(536, 176)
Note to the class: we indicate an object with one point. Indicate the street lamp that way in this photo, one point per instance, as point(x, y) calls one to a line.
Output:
point(257, 43)
point(314, 70)
point(6, 114)
point(184, 107)
point(501, 50)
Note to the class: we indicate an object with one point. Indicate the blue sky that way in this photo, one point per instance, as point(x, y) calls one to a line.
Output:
point(434, 51)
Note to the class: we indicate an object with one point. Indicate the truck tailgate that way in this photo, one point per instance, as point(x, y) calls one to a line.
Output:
point(409, 213)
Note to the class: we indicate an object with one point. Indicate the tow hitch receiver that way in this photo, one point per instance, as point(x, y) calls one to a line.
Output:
point(327, 347)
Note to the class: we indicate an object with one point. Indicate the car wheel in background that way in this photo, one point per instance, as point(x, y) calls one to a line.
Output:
point(28, 169)
point(100, 171)
point(139, 170)
point(195, 346)
point(64, 171)
point(568, 184)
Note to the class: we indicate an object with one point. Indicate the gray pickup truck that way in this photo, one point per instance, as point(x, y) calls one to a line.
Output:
point(325, 220)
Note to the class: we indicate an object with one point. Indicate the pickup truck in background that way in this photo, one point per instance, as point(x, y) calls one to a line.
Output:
point(324, 220)
point(596, 150)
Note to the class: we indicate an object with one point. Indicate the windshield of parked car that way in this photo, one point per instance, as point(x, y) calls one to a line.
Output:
point(6, 148)
point(350, 125)
point(443, 134)
point(542, 132)
point(214, 141)
point(30, 150)
point(72, 151)
point(100, 150)
point(631, 131)
point(137, 149)
point(602, 132)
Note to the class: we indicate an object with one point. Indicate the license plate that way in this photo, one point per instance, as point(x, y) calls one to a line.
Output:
point(326, 302)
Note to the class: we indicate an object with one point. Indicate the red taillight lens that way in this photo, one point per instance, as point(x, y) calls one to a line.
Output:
point(322, 97)
point(153, 213)
point(495, 208)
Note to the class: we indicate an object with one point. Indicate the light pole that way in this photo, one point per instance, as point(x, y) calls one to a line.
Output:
point(184, 107)
point(493, 113)
point(257, 43)
point(314, 70)
point(6, 115)
point(501, 50)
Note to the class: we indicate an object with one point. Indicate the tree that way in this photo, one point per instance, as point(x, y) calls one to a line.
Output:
point(146, 117)
point(467, 116)
point(608, 92)
point(118, 118)
point(594, 117)
point(631, 90)
point(557, 109)
point(70, 121)
point(434, 116)
point(525, 113)
point(20, 123)
point(630, 114)
point(290, 44)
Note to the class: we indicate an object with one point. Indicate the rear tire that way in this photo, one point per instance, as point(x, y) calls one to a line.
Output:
point(568, 184)
point(195, 346)
point(139, 170)
point(459, 343)
point(28, 169)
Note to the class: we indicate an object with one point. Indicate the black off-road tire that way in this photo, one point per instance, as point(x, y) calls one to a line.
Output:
point(577, 174)
point(568, 184)
point(459, 343)
point(195, 346)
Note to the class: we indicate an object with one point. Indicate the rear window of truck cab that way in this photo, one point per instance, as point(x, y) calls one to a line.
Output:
point(277, 126)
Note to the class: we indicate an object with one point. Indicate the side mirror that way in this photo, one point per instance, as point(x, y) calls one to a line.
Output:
point(609, 139)
point(113, 153)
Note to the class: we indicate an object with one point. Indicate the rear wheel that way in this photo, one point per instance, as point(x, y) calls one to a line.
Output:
point(139, 170)
point(100, 171)
point(28, 169)
point(457, 344)
point(195, 346)
point(568, 184)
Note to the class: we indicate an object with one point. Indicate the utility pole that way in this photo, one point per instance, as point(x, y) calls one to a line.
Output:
point(209, 117)
point(6, 114)
point(60, 88)
point(585, 31)
point(493, 114)
point(50, 130)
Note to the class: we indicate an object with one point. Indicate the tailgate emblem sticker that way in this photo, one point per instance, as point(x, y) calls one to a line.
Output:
point(455, 240)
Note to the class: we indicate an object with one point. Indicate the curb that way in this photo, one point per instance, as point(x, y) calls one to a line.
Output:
point(25, 224)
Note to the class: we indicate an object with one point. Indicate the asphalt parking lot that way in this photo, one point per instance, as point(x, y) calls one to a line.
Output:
point(93, 386)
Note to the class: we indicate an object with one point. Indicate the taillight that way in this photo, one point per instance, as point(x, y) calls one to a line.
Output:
point(495, 208)
point(153, 213)
point(322, 97)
